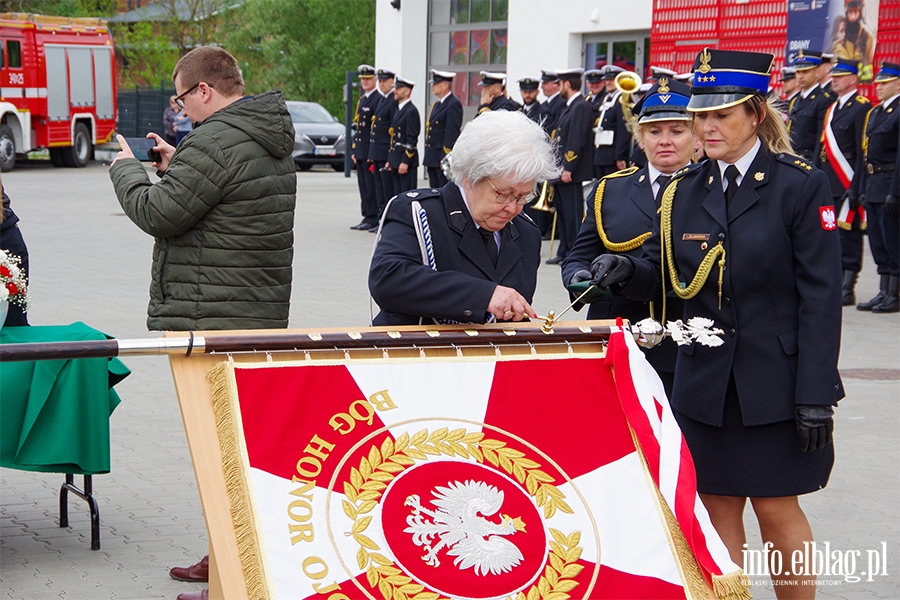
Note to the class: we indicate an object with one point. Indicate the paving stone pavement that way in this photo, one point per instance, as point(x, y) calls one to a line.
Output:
point(90, 263)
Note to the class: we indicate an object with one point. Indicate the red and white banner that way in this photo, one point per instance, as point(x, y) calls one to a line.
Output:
point(464, 478)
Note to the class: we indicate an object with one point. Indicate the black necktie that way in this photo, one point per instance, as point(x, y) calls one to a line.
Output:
point(490, 244)
point(662, 180)
point(731, 175)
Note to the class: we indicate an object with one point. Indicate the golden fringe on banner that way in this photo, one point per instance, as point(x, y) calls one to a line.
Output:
point(223, 391)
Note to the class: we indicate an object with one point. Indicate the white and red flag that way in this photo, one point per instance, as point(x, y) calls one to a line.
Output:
point(531, 477)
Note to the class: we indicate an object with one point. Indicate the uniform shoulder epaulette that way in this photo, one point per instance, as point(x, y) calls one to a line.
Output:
point(862, 99)
point(422, 194)
point(827, 95)
point(796, 162)
point(623, 173)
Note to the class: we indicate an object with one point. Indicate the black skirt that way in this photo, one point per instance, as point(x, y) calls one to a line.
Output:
point(755, 462)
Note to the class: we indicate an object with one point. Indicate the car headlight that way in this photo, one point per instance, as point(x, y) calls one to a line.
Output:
point(303, 139)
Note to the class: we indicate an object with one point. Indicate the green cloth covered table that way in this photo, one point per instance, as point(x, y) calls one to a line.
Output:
point(54, 414)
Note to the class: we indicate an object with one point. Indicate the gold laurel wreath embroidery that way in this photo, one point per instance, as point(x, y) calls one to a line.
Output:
point(380, 467)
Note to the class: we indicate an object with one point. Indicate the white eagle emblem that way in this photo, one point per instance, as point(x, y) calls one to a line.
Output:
point(829, 220)
point(472, 539)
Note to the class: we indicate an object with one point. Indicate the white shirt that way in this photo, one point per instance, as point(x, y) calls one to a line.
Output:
point(890, 100)
point(843, 99)
point(805, 93)
point(742, 164)
point(653, 173)
point(404, 103)
point(370, 92)
point(447, 95)
point(572, 99)
point(549, 98)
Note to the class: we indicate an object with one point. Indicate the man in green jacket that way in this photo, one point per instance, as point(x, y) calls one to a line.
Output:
point(222, 214)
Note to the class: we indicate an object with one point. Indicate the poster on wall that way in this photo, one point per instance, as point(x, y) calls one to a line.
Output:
point(845, 28)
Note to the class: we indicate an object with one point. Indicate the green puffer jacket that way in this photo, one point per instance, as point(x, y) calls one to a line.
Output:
point(223, 218)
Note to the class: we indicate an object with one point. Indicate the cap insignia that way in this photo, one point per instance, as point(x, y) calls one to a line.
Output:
point(705, 57)
point(663, 86)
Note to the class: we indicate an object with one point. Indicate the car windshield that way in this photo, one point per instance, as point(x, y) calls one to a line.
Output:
point(309, 113)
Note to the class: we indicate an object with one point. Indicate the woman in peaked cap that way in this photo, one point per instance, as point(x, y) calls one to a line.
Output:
point(748, 239)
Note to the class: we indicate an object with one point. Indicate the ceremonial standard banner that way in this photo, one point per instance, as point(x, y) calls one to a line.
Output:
point(545, 476)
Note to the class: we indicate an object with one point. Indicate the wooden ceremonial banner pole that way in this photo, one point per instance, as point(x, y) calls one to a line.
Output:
point(195, 398)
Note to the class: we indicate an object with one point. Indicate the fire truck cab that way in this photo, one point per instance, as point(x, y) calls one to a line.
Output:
point(57, 87)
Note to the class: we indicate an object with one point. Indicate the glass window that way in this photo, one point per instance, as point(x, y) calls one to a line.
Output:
point(645, 74)
point(479, 51)
point(440, 12)
point(481, 11)
point(440, 48)
point(623, 54)
point(500, 10)
point(459, 11)
point(474, 89)
point(498, 46)
point(14, 53)
point(2, 58)
point(459, 48)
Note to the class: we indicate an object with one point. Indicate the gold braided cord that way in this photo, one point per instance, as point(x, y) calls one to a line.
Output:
point(865, 138)
point(598, 214)
point(668, 258)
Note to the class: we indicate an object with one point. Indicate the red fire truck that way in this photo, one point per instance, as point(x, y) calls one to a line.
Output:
point(57, 87)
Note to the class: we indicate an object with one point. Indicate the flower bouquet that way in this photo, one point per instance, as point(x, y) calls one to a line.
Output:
point(13, 287)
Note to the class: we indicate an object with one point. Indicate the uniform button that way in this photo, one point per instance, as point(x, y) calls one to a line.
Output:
point(732, 332)
point(467, 313)
point(726, 300)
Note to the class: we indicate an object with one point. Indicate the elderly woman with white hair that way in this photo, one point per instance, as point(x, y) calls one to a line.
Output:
point(465, 252)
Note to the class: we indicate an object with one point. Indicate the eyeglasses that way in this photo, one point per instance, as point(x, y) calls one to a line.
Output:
point(506, 198)
point(179, 99)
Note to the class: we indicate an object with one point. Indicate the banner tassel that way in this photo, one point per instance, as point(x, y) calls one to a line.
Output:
point(733, 586)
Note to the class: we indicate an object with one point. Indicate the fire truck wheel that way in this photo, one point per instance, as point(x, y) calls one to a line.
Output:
point(7, 149)
point(56, 157)
point(78, 154)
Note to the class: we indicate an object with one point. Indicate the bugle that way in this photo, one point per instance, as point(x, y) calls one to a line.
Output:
point(545, 198)
point(628, 83)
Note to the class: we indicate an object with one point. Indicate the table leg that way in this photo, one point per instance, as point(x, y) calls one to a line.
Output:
point(87, 496)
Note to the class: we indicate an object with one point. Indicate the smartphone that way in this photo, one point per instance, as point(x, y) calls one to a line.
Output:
point(142, 148)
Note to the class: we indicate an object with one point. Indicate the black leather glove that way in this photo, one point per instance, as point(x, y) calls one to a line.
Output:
point(580, 276)
point(892, 205)
point(610, 269)
point(852, 197)
point(814, 425)
point(579, 287)
point(862, 200)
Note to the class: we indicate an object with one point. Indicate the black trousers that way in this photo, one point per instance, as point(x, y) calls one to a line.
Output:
point(436, 177)
point(384, 186)
point(851, 243)
point(368, 204)
point(569, 204)
point(884, 238)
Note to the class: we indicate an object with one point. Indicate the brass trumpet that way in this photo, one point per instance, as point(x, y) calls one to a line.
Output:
point(545, 198)
point(628, 82)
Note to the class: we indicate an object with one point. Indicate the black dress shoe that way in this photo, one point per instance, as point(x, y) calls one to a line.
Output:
point(555, 260)
point(360, 225)
point(373, 229)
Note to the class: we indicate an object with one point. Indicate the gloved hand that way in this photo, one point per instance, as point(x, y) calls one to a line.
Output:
point(580, 284)
point(862, 200)
point(610, 269)
point(852, 197)
point(814, 425)
point(580, 276)
point(892, 205)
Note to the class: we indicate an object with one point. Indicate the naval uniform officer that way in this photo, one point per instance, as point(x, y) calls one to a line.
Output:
point(493, 93)
point(596, 89)
point(882, 196)
point(403, 156)
point(531, 106)
point(612, 141)
point(842, 159)
point(554, 103)
point(443, 126)
point(365, 109)
point(807, 109)
point(380, 140)
point(573, 135)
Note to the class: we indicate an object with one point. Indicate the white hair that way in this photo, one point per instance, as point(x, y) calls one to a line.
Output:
point(506, 145)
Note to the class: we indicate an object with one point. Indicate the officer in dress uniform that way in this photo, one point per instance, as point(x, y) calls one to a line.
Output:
point(365, 109)
point(842, 159)
point(403, 156)
point(443, 126)
point(380, 140)
point(612, 141)
point(622, 209)
point(823, 73)
point(573, 132)
point(596, 88)
point(554, 103)
point(807, 109)
point(789, 88)
point(531, 106)
point(493, 93)
point(882, 194)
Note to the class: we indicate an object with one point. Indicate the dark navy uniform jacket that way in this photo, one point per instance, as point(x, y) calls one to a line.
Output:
point(536, 113)
point(883, 133)
point(462, 287)
point(807, 116)
point(847, 123)
point(551, 110)
point(575, 139)
point(781, 294)
point(442, 129)
point(499, 103)
point(380, 135)
point(628, 211)
point(405, 129)
point(365, 110)
point(613, 119)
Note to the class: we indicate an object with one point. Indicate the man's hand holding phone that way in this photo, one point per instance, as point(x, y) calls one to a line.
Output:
point(153, 149)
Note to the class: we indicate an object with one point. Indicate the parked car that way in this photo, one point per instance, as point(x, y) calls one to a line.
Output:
point(318, 136)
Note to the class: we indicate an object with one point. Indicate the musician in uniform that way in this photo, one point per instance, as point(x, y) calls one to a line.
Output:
point(403, 156)
point(531, 106)
point(554, 103)
point(443, 126)
point(622, 209)
point(365, 110)
point(612, 141)
point(882, 181)
point(380, 140)
point(596, 88)
point(573, 133)
point(480, 257)
point(807, 109)
point(842, 159)
point(493, 93)
point(750, 243)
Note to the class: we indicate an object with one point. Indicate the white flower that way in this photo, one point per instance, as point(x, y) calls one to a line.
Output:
point(4, 293)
